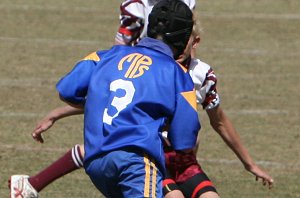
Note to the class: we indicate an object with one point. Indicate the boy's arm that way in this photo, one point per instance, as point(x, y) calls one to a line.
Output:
point(224, 127)
point(54, 115)
point(72, 89)
point(132, 19)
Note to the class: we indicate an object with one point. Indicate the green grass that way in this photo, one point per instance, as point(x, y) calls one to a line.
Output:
point(253, 46)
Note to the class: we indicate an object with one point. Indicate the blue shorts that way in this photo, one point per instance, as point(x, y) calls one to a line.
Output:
point(125, 174)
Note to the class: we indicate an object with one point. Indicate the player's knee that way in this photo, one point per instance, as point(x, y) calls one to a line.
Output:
point(81, 147)
point(171, 189)
point(174, 193)
point(209, 194)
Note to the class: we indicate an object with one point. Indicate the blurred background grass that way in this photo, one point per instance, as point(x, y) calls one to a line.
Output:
point(253, 46)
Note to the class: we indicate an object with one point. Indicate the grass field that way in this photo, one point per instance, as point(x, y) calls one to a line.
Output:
point(253, 46)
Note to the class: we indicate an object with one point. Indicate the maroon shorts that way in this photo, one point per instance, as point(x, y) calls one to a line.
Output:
point(184, 173)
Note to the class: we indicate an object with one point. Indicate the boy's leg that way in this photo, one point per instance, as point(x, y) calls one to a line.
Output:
point(186, 175)
point(170, 188)
point(70, 161)
point(197, 186)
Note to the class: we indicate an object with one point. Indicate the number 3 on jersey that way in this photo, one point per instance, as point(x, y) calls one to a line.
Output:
point(119, 103)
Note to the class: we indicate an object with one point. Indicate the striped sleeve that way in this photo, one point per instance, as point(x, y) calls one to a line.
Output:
point(205, 81)
point(132, 21)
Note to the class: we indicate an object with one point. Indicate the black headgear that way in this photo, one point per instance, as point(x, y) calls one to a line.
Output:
point(173, 20)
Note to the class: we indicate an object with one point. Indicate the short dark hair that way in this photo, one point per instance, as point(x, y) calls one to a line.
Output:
point(173, 21)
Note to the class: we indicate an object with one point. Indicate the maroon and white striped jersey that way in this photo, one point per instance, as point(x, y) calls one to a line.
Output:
point(134, 20)
point(205, 82)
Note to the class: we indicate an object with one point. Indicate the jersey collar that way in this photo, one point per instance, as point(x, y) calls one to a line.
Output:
point(156, 45)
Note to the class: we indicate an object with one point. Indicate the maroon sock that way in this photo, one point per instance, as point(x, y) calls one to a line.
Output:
point(69, 162)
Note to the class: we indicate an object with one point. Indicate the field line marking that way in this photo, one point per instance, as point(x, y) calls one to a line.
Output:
point(48, 7)
point(25, 148)
point(19, 114)
point(251, 15)
point(246, 51)
point(294, 16)
point(249, 51)
point(238, 112)
point(47, 40)
point(255, 52)
point(258, 112)
point(51, 82)
point(272, 164)
point(29, 82)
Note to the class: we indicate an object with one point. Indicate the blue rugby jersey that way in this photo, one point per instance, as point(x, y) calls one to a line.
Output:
point(129, 93)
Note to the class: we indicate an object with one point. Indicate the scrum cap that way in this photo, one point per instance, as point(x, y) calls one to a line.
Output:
point(173, 20)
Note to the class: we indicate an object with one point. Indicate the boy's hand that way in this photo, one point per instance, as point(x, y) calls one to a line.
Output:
point(41, 127)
